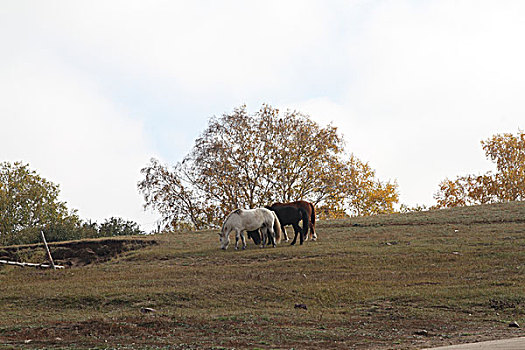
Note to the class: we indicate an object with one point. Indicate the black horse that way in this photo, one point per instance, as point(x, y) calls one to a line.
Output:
point(256, 236)
point(290, 215)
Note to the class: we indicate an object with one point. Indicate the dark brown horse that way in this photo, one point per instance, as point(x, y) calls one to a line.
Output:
point(290, 215)
point(310, 210)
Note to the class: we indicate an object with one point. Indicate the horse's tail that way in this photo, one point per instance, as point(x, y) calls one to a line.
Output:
point(312, 219)
point(304, 215)
point(277, 228)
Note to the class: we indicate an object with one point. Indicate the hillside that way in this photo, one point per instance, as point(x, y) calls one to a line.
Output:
point(403, 281)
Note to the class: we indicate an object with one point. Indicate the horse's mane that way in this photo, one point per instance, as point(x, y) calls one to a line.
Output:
point(236, 211)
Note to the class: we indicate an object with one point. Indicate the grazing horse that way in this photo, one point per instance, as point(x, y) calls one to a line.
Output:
point(241, 220)
point(289, 215)
point(310, 209)
point(256, 236)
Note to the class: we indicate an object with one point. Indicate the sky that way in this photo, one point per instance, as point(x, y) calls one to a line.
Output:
point(91, 90)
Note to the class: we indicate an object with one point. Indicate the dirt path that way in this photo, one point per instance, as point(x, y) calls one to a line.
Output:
point(506, 344)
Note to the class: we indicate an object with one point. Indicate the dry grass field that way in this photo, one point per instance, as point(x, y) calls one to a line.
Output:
point(405, 281)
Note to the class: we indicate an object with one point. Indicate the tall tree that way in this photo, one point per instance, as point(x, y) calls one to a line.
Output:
point(26, 200)
point(366, 194)
point(29, 203)
point(507, 151)
point(246, 161)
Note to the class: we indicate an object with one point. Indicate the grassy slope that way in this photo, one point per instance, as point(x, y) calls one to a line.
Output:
point(368, 283)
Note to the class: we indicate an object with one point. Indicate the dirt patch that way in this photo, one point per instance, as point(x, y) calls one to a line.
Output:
point(75, 253)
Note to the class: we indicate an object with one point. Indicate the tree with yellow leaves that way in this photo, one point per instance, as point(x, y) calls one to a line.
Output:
point(247, 161)
point(507, 151)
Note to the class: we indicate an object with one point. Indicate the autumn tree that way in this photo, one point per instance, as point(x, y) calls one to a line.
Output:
point(27, 201)
point(170, 191)
point(244, 160)
point(507, 151)
point(366, 194)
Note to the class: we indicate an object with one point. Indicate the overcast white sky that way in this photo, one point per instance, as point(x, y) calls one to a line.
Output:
point(90, 90)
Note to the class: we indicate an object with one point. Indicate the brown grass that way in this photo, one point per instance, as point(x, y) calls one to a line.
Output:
point(385, 282)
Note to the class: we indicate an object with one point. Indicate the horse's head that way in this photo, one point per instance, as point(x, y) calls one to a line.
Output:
point(256, 236)
point(224, 239)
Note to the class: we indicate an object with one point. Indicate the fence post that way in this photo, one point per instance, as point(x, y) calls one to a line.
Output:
point(48, 252)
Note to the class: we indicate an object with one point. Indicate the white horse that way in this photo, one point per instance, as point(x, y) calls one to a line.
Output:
point(241, 220)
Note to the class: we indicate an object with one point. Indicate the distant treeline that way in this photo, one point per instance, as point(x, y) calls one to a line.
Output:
point(67, 230)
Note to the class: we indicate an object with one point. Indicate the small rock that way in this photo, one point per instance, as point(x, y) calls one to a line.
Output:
point(304, 275)
point(27, 341)
point(301, 306)
point(146, 310)
point(422, 332)
point(514, 324)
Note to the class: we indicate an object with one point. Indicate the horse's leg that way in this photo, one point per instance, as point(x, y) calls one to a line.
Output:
point(264, 233)
point(312, 231)
point(306, 237)
point(286, 239)
point(243, 241)
point(299, 231)
point(237, 234)
point(307, 232)
point(295, 236)
point(271, 235)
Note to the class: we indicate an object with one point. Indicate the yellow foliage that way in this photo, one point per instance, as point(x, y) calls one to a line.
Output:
point(247, 161)
point(507, 151)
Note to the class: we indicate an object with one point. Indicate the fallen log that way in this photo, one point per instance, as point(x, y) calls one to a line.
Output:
point(24, 264)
